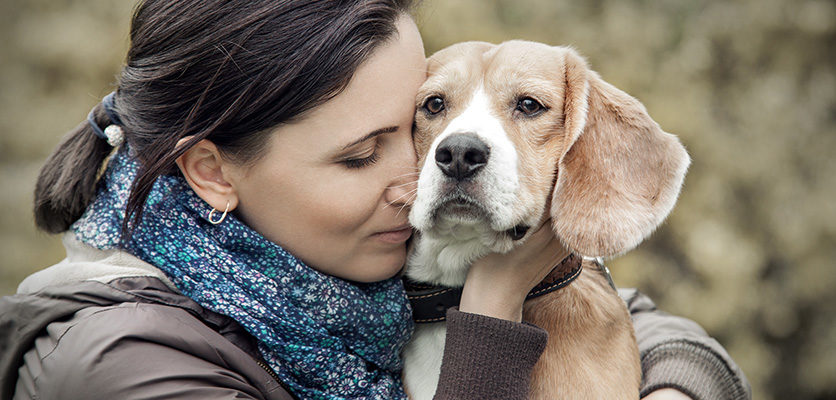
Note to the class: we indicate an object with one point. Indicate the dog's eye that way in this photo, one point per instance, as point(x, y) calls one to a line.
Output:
point(529, 106)
point(434, 105)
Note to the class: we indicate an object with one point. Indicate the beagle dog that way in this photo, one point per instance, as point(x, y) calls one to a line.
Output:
point(509, 135)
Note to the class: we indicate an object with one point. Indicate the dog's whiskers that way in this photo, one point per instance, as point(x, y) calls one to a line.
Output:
point(404, 184)
point(406, 203)
point(412, 193)
point(413, 173)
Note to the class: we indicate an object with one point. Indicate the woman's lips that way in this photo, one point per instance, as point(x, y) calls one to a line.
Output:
point(398, 235)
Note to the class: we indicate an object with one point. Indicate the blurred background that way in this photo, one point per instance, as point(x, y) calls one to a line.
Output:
point(749, 86)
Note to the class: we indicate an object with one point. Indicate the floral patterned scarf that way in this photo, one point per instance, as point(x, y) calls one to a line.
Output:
point(325, 337)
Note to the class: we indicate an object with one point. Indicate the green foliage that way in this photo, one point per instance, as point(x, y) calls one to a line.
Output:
point(749, 86)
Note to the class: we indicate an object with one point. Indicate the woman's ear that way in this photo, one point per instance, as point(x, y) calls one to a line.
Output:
point(620, 174)
point(208, 174)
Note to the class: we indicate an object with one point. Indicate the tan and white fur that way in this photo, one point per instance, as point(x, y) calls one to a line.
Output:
point(592, 154)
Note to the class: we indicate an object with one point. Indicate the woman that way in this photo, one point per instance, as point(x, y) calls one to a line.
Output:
point(245, 239)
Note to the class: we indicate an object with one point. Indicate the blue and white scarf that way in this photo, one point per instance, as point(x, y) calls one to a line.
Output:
point(326, 338)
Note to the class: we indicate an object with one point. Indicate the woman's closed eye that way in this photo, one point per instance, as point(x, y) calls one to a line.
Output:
point(363, 161)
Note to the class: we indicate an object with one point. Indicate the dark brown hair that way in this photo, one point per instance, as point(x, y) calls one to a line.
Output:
point(221, 70)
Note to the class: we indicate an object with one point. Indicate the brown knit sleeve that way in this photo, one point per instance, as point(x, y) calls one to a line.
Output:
point(677, 353)
point(488, 358)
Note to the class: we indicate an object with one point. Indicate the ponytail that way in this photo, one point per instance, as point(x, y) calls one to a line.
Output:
point(67, 182)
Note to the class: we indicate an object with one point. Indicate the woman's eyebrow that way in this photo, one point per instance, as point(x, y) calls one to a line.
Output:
point(372, 134)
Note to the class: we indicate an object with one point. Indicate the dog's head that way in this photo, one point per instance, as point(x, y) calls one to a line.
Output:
point(504, 131)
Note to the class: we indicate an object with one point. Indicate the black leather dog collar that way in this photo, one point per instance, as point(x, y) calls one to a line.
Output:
point(430, 303)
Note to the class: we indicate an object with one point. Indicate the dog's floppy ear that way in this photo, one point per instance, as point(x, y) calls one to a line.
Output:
point(619, 174)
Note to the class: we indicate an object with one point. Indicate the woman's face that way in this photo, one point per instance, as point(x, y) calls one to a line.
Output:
point(333, 188)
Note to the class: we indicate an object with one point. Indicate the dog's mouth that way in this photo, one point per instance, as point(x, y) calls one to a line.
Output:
point(465, 209)
point(461, 208)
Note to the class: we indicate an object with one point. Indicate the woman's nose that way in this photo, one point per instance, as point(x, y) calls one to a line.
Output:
point(403, 188)
point(404, 180)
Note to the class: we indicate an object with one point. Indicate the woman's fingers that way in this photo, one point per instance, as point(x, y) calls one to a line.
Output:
point(497, 284)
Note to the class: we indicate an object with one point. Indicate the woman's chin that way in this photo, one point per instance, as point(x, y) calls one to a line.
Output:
point(377, 268)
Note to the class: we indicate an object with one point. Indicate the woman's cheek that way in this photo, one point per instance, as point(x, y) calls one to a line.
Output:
point(349, 204)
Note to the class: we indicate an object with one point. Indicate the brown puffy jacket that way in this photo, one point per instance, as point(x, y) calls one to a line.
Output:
point(105, 325)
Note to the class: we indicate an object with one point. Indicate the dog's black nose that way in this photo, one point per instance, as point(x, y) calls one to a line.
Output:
point(461, 155)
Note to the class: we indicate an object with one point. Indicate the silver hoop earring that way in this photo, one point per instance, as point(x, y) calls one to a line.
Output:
point(211, 213)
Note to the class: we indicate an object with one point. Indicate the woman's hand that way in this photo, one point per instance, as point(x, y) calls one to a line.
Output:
point(497, 284)
point(666, 394)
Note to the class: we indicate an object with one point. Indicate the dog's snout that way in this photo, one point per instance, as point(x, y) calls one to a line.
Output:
point(461, 155)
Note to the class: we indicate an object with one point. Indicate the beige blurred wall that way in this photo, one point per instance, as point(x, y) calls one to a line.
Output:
point(749, 86)
point(57, 59)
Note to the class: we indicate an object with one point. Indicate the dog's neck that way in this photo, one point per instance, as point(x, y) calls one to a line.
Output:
point(430, 302)
point(442, 256)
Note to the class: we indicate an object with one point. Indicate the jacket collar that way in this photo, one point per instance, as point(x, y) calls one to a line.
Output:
point(86, 263)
